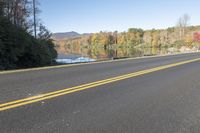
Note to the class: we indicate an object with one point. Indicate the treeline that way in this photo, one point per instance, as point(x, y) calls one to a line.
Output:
point(135, 38)
point(178, 36)
point(18, 47)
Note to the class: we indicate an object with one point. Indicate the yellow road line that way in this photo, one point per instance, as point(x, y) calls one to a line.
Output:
point(21, 102)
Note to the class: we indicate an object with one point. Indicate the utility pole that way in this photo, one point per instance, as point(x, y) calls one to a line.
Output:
point(34, 16)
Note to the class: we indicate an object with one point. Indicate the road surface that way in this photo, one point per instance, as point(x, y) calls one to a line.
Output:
point(150, 95)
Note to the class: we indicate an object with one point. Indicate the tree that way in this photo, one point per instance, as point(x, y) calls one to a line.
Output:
point(22, 13)
point(196, 37)
point(34, 18)
point(1, 7)
point(44, 33)
point(18, 48)
point(182, 25)
point(17, 11)
point(155, 38)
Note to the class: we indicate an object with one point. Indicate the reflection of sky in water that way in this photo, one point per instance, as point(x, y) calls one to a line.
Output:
point(76, 60)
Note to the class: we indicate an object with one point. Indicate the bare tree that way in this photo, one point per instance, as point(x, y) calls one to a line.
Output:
point(182, 25)
point(22, 13)
point(17, 11)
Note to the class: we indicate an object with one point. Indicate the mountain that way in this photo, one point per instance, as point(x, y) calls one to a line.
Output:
point(65, 35)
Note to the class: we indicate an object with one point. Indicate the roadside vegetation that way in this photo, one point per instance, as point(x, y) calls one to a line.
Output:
point(19, 48)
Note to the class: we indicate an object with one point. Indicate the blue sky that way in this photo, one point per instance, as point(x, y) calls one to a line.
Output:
point(87, 16)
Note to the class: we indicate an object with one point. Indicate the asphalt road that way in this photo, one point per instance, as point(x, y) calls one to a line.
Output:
point(165, 101)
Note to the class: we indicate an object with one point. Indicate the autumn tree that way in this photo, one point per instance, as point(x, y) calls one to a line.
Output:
point(196, 37)
point(155, 38)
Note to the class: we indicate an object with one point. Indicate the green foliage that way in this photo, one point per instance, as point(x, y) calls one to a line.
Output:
point(18, 49)
point(171, 30)
point(136, 31)
point(179, 44)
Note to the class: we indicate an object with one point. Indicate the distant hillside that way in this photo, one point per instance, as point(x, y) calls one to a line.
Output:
point(65, 36)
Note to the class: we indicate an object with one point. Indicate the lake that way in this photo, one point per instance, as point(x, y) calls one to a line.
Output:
point(73, 58)
point(95, 54)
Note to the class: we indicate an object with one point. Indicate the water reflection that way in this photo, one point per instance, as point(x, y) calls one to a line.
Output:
point(121, 52)
point(101, 53)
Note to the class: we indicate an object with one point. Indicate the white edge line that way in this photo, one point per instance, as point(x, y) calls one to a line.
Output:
point(80, 64)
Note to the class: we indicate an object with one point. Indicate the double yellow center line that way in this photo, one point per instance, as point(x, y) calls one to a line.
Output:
point(30, 100)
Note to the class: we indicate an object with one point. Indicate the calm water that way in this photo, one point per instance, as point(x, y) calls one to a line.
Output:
point(123, 52)
point(94, 54)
